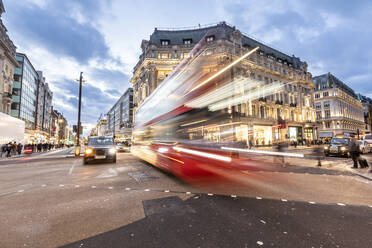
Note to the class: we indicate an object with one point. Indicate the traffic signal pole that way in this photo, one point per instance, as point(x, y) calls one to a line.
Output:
point(77, 149)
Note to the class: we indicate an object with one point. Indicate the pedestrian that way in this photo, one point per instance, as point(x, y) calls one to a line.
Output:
point(9, 150)
point(20, 146)
point(39, 147)
point(2, 150)
point(354, 150)
point(280, 149)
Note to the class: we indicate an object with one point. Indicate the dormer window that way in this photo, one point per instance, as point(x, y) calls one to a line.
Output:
point(187, 41)
point(210, 38)
point(165, 42)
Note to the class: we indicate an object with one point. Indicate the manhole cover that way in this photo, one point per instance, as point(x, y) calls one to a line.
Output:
point(141, 176)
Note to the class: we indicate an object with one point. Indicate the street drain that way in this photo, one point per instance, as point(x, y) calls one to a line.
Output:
point(141, 176)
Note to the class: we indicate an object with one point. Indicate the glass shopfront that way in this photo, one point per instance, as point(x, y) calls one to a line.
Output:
point(295, 133)
point(263, 135)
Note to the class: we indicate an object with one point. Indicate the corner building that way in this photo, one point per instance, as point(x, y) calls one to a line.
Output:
point(338, 110)
point(258, 119)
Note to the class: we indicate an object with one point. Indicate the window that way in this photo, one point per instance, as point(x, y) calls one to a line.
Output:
point(210, 38)
point(325, 94)
point(318, 105)
point(187, 41)
point(328, 125)
point(327, 113)
point(317, 95)
point(318, 115)
point(165, 42)
point(326, 104)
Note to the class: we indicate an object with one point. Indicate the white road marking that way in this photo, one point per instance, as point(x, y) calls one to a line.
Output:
point(146, 190)
point(20, 191)
point(370, 206)
point(210, 194)
point(127, 188)
point(234, 196)
point(285, 232)
point(188, 193)
point(61, 185)
point(110, 187)
point(312, 202)
point(284, 200)
point(263, 222)
point(260, 243)
point(72, 167)
point(258, 198)
point(93, 187)
point(341, 204)
point(166, 191)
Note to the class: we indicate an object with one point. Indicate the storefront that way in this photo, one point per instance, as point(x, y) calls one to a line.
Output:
point(263, 135)
point(309, 133)
point(325, 136)
point(295, 133)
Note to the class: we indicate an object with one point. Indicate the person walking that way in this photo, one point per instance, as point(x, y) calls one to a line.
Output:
point(20, 146)
point(9, 150)
point(354, 150)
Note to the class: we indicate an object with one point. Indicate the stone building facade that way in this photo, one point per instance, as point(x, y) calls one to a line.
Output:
point(292, 108)
point(367, 109)
point(338, 110)
point(7, 65)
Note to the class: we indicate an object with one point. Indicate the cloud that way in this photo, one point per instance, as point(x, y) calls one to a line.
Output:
point(334, 36)
point(51, 28)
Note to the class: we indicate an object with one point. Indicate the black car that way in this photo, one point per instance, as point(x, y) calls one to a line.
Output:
point(338, 146)
point(100, 148)
point(123, 147)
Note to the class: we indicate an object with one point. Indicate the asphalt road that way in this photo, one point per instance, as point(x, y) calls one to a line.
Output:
point(50, 200)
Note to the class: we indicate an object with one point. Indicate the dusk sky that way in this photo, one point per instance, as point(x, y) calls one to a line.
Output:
point(102, 38)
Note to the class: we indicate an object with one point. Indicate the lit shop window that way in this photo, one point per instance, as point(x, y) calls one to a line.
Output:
point(164, 55)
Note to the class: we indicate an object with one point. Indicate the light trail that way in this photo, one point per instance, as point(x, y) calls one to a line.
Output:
point(225, 69)
point(202, 154)
point(287, 154)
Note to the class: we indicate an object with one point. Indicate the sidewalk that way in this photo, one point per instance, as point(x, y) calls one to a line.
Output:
point(336, 164)
point(34, 153)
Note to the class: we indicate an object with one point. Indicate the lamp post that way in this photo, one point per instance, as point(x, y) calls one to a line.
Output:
point(77, 148)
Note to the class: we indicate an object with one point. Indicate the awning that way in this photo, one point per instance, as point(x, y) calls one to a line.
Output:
point(325, 134)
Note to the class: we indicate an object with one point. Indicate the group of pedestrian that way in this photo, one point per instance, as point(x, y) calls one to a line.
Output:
point(11, 149)
point(41, 147)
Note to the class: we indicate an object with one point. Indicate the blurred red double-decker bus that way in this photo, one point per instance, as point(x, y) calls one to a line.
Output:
point(189, 124)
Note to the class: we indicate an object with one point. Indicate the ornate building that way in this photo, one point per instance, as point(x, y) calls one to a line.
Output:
point(7, 65)
point(338, 109)
point(288, 114)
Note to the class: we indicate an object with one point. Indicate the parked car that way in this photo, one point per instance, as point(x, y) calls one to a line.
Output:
point(368, 139)
point(364, 146)
point(122, 147)
point(338, 147)
point(100, 148)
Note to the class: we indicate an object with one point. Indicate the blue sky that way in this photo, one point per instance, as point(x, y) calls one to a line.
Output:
point(102, 38)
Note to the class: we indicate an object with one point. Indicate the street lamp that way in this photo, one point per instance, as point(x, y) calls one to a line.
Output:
point(77, 148)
